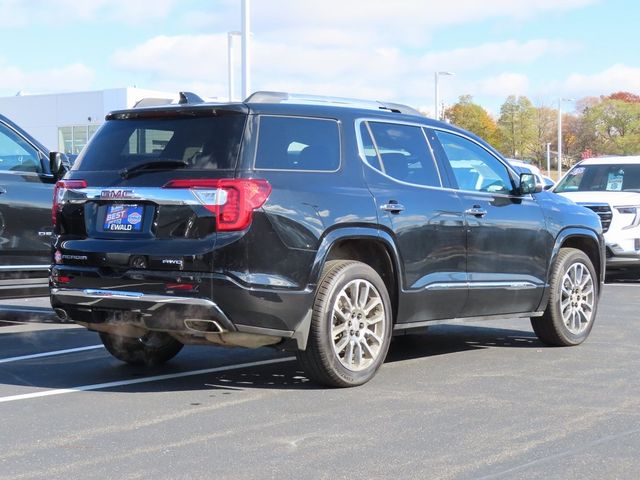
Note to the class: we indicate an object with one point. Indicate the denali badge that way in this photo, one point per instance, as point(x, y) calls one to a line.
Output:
point(116, 194)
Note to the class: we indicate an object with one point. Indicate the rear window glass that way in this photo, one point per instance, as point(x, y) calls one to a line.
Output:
point(297, 143)
point(601, 178)
point(203, 142)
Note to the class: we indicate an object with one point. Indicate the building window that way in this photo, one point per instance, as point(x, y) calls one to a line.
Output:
point(73, 139)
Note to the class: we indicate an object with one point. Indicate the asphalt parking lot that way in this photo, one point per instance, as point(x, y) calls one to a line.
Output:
point(466, 402)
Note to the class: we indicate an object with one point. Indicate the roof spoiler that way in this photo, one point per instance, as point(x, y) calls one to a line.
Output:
point(284, 97)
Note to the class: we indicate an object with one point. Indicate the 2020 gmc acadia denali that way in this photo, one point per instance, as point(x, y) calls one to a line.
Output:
point(309, 225)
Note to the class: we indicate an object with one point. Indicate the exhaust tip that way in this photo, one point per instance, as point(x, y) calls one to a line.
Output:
point(203, 326)
point(61, 313)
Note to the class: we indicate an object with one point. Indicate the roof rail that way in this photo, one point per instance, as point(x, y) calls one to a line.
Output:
point(283, 97)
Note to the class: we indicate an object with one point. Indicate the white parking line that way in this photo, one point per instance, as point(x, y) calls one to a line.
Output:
point(156, 378)
point(50, 354)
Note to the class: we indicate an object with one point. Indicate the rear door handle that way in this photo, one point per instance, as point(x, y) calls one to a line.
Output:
point(392, 206)
point(476, 211)
point(2, 190)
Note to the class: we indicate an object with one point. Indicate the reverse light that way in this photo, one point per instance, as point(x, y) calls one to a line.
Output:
point(232, 201)
point(58, 195)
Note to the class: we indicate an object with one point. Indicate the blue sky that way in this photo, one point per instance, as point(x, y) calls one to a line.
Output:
point(386, 50)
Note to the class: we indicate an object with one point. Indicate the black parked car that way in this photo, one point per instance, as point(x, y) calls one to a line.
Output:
point(315, 226)
point(26, 190)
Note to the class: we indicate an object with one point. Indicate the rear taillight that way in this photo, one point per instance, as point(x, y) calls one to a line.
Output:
point(58, 195)
point(232, 201)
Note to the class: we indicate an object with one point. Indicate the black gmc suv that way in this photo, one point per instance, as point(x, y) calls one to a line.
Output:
point(26, 187)
point(309, 224)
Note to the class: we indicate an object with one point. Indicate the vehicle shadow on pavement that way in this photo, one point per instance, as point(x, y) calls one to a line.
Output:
point(96, 367)
point(444, 339)
point(440, 340)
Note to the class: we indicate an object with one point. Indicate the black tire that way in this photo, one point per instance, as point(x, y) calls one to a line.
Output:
point(322, 359)
point(551, 328)
point(152, 349)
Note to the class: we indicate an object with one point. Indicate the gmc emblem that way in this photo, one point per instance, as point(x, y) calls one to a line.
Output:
point(116, 193)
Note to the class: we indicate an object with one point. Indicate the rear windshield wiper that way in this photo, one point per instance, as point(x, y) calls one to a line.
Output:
point(153, 165)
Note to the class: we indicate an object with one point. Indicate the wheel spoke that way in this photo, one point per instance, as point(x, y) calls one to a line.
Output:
point(345, 298)
point(373, 303)
point(340, 346)
point(375, 319)
point(368, 350)
point(342, 315)
point(348, 356)
point(353, 294)
point(375, 337)
point(358, 359)
point(576, 320)
point(338, 329)
point(364, 296)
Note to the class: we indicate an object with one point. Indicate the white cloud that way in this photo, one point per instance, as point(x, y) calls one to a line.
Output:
point(503, 85)
point(63, 79)
point(318, 62)
point(494, 53)
point(18, 13)
point(616, 78)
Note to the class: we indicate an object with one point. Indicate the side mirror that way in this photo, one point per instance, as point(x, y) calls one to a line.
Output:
point(58, 164)
point(529, 184)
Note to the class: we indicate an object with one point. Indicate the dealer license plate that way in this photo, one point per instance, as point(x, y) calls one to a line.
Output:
point(123, 218)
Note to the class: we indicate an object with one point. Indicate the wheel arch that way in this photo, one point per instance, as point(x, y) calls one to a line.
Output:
point(367, 245)
point(585, 240)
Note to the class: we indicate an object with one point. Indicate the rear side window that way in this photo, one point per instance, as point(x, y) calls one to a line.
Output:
point(404, 153)
point(202, 142)
point(298, 143)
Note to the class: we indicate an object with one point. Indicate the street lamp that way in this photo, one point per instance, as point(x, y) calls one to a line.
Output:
point(231, 62)
point(560, 100)
point(436, 75)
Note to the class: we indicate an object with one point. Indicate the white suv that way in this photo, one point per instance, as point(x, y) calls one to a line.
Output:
point(610, 187)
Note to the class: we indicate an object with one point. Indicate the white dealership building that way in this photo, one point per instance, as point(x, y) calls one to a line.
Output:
point(64, 122)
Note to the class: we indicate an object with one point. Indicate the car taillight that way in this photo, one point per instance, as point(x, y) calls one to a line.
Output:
point(232, 201)
point(58, 195)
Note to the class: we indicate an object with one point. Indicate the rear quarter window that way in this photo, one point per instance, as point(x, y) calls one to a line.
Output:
point(298, 144)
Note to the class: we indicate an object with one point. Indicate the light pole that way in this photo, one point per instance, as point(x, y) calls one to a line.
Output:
point(231, 62)
point(560, 100)
point(246, 48)
point(436, 75)
point(549, 159)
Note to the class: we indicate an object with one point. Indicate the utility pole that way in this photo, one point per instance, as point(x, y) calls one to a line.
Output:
point(560, 100)
point(231, 63)
point(548, 158)
point(246, 48)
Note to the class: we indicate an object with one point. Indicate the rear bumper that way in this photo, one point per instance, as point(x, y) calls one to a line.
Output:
point(148, 311)
point(98, 298)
